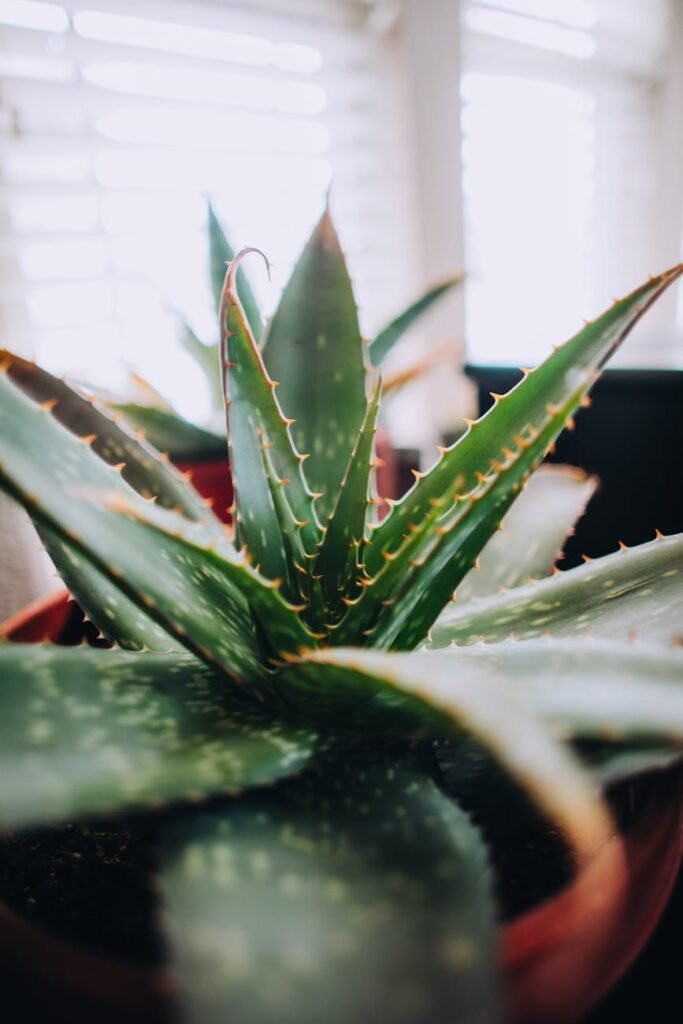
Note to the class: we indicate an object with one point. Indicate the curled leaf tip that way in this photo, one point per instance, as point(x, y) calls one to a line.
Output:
point(233, 264)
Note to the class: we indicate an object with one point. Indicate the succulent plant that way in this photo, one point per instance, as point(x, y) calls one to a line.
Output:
point(310, 673)
point(184, 440)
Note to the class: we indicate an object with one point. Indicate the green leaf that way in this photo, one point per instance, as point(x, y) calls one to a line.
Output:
point(424, 695)
point(300, 585)
point(530, 860)
point(422, 550)
point(207, 357)
point(220, 254)
point(637, 592)
point(119, 619)
point(200, 596)
point(383, 343)
point(520, 415)
point(218, 577)
point(171, 433)
point(86, 731)
point(341, 550)
point(313, 348)
point(141, 466)
point(611, 763)
point(356, 890)
point(296, 581)
point(534, 531)
point(254, 417)
point(579, 687)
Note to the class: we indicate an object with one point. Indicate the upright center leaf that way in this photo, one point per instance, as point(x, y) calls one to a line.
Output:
point(256, 425)
point(314, 349)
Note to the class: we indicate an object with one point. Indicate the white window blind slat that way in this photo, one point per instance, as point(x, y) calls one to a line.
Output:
point(117, 119)
point(562, 167)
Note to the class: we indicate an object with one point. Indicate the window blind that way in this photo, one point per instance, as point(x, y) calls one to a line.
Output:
point(562, 121)
point(118, 118)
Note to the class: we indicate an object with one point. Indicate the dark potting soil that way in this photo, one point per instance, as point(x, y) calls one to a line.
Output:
point(530, 860)
point(88, 886)
point(92, 886)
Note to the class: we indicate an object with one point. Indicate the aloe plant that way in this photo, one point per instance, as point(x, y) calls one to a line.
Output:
point(186, 441)
point(308, 670)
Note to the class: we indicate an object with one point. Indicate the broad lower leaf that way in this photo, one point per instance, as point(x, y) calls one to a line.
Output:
point(254, 419)
point(383, 342)
point(118, 618)
point(313, 348)
point(532, 533)
point(172, 434)
point(611, 763)
point(637, 593)
point(85, 731)
point(338, 564)
point(140, 465)
point(356, 890)
point(579, 687)
point(417, 556)
point(424, 695)
point(198, 596)
point(220, 254)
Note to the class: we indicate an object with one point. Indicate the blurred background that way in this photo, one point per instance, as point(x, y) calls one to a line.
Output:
point(537, 144)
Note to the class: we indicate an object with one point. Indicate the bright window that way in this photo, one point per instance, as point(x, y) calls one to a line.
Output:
point(562, 136)
point(120, 117)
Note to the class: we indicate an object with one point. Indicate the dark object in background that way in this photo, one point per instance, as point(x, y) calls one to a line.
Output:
point(630, 438)
point(407, 460)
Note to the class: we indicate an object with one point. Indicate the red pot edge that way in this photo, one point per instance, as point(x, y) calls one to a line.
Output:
point(218, 467)
point(89, 980)
point(212, 480)
point(563, 956)
point(43, 619)
point(601, 905)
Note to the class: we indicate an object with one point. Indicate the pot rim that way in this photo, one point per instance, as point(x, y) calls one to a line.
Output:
point(41, 606)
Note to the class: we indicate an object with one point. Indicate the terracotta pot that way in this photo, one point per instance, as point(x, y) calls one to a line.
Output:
point(387, 472)
point(561, 958)
point(558, 960)
point(45, 619)
point(211, 477)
